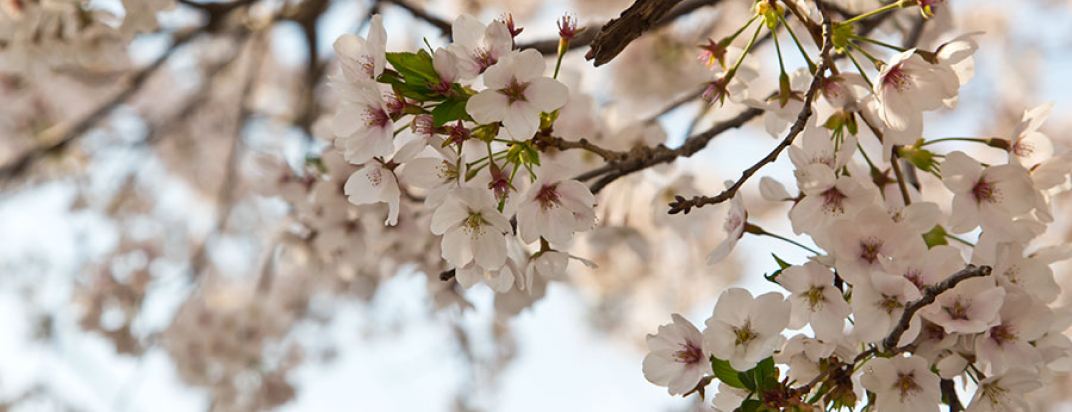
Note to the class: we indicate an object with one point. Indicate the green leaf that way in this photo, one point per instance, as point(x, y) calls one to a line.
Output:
point(725, 373)
point(761, 378)
point(935, 237)
point(749, 405)
point(782, 265)
point(450, 110)
point(414, 66)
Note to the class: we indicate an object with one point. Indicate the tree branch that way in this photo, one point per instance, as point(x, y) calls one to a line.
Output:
point(67, 135)
point(929, 294)
point(441, 24)
point(633, 22)
point(686, 205)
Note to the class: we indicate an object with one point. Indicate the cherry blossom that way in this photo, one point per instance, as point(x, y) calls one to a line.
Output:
point(472, 228)
point(554, 208)
point(744, 330)
point(362, 59)
point(902, 384)
point(815, 300)
point(676, 357)
point(517, 93)
point(908, 86)
point(989, 197)
point(477, 46)
point(375, 183)
point(970, 307)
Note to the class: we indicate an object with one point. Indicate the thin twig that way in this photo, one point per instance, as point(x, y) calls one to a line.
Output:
point(441, 24)
point(545, 139)
point(685, 205)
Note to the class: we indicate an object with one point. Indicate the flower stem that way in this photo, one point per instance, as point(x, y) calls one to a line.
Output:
point(811, 65)
point(956, 139)
point(859, 69)
point(759, 231)
point(876, 42)
point(892, 6)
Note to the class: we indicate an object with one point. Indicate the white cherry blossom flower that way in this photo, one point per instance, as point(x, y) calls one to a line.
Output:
point(908, 86)
point(375, 183)
point(472, 228)
point(860, 245)
point(734, 225)
point(988, 197)
point(902, 384)
point(877, 305)
point(744, 330)
point(363, 60)
point(815, 300)
point(555, 207)
point(1026, 145)
point(499, 280)
point(929, 268)
point(478, 46)
point(1006, 345)
point(728, 398)
point(970, 307)
point(436, 175)
point(362, 126)
point(827, 199)
point(802, 354)
point(676, 357)
point(517, 92)
point(1005, 392)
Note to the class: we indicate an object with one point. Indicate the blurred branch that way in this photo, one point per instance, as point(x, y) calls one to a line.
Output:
point(65, 135)
point(68, 134)
point(225, 195)
point(441, 24)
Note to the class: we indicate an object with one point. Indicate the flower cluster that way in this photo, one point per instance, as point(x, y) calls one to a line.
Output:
point(892, 309)
point(458, 126)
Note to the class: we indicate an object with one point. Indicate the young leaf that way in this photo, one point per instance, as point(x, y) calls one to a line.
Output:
point(450, 110)
point(725, 373)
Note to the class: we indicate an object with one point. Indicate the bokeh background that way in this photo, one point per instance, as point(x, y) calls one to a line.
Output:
point(178, 254)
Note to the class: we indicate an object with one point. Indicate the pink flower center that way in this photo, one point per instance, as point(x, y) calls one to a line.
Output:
point(368, 65)
point(375, 177)
point(833, 201)
point(1002, 333)
point(914, 276)
point(906, 384)
point(984, 191)
point(1022, 149)
point(870, 248)
point(548, 196)
point(733, 222)
point(959, 310)
point(896, 78)
point(515, 91)
point(890, 303)
point(484, 59)
point(688, 354)
point(376, 117)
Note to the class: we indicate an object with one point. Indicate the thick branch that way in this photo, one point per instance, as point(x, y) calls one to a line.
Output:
point(929, 294)
point(685, 205)
point(585, 38)
point(633, 22)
